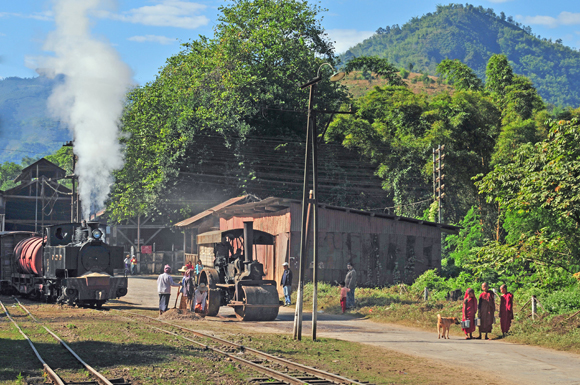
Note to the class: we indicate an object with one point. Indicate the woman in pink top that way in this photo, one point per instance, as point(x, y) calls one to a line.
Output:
point(343, 291)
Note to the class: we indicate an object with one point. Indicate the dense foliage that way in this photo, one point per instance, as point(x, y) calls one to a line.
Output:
point(472, 35)
point(225, 116)
point(519, 219)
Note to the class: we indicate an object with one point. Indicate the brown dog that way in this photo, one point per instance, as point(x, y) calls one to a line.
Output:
point(443, 324)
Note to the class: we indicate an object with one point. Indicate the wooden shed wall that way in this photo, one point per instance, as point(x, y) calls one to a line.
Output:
point(384, 251)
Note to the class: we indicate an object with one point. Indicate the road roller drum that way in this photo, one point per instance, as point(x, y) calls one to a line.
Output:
point(261, 303)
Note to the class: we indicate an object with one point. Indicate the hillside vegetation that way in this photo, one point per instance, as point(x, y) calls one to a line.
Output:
point(472, 35)
point(359, 83)
point(26, 128)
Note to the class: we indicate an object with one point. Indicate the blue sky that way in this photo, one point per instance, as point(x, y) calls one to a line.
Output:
point(147, 32)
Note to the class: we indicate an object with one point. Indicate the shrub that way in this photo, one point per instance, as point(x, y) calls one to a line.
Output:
point(562, 301)
point(404, 73)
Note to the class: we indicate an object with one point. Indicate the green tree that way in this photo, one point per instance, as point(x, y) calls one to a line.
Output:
point(397, 129)
point(521, 100)
point(468, 124)
point(463, 248)
point(498, 75)
point(388, 128)
point(381, 67)
point(8, 172)
point(211, 96)
point(62, 158)
point(460, 75)
point(539, 195)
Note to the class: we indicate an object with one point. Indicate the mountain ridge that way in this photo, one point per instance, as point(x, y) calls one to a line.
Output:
point(472, 34)
point(26, 127)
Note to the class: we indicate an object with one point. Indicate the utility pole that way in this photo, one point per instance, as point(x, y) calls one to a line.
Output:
point(311, 140)
point(305, 219)
point(438, 176)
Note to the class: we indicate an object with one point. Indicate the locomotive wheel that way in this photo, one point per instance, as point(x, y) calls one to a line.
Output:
point(266, 295)
point(214, 296)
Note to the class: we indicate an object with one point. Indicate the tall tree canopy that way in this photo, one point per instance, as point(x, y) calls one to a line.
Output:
point(539, 193)
point(225, 111)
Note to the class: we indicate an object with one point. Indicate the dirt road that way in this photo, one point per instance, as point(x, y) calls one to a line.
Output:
point(512, 362)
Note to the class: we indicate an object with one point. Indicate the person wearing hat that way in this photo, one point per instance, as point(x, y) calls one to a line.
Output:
point(164, 284)
point(350, 282)
point(186, 281)
point(199, 298)
point(286, 284)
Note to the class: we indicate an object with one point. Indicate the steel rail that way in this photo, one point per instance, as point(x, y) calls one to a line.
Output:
point(306, 369)
point(51, 374)
point(102, 379)
point(263, 369)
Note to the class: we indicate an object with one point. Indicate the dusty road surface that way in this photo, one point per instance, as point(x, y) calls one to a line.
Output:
point(512, 362)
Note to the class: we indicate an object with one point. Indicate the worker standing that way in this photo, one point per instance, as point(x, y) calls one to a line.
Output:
point(286, 284)
point(350, 282)
point(164, 284)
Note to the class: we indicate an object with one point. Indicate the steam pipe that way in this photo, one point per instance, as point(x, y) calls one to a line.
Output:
point(248, 241)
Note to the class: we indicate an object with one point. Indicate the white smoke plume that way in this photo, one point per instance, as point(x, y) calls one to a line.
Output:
point(90, 100)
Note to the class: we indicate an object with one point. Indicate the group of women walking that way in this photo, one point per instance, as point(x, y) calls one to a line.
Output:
point(486, 309)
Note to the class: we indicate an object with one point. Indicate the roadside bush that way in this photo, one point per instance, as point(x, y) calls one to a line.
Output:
point(438, 286)
point(562, 301)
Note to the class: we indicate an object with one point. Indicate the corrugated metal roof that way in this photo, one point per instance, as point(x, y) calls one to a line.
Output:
point(273, 204)
point(190, 221)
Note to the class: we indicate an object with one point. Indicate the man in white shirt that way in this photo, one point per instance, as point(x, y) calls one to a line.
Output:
point(164, 284)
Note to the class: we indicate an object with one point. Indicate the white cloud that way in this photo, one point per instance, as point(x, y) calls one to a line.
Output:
point(152, 38)
point(44, 16)
point(569, 18)
point(564, 18)
point(168, 13)
point(347, 38)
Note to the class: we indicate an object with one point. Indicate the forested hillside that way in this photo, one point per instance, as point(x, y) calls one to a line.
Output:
point(472, 35)
point(26, 128)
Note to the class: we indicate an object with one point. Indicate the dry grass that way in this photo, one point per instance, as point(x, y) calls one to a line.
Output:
point(115, 346)
point(121, 347)
point(360, 86)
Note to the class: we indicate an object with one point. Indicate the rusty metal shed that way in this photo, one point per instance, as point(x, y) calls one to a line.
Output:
point(384, 249)
point(203, 222)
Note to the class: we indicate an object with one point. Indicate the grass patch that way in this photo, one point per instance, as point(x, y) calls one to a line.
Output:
point(115, 346)
point(119, 347)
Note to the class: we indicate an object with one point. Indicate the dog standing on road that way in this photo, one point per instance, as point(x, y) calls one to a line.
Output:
point(443, 325)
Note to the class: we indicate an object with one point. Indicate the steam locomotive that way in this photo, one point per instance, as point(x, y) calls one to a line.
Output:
point(69, 264)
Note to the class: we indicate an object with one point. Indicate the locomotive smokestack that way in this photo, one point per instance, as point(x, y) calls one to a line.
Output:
point(248, 241)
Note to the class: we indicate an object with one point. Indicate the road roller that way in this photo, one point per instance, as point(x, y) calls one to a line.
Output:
point(235, 278)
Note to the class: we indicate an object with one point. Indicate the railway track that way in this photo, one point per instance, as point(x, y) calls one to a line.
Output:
point(51, 374)
point(277, 369)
